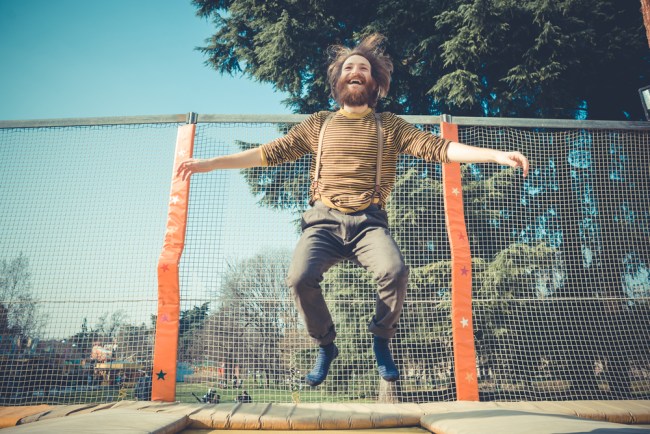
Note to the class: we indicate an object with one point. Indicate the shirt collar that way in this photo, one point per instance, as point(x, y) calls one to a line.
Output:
point(349, 115)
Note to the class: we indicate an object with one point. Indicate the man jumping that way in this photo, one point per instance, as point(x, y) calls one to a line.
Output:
point(354, 159)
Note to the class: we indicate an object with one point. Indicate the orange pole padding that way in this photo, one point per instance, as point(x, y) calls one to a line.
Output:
point(461, 277)
point(167, 324)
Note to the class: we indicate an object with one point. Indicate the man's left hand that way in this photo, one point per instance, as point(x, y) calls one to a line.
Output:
point(513, 159)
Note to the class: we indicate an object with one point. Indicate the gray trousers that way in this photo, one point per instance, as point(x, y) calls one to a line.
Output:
point(330, 236)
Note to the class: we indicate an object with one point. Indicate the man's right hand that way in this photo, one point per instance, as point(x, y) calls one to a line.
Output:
point(240, 160)
point(190, 166)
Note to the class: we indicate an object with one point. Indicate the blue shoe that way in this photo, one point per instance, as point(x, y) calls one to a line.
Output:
point(326, 356)
point(385, 364)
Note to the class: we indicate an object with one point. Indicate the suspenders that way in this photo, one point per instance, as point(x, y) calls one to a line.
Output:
point(380, 149)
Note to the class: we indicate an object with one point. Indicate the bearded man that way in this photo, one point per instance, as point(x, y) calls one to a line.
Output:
point(355, 152)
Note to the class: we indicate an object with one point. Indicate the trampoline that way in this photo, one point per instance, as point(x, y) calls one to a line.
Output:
point(529, 300)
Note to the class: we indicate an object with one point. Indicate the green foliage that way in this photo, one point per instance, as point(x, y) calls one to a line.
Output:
point(514, 271)
point(489, 201)
point(416, 218)
point(543, 59)
point(281, 187)
point(191, 321)
point(193, 318)
point(537, 58)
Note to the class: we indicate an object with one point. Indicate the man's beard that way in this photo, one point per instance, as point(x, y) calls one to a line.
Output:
point(362, 95)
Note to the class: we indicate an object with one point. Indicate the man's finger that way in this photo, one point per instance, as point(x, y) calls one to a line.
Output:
point(181, 168)
point(183, 171)
point(526, 166)
point(522, 162)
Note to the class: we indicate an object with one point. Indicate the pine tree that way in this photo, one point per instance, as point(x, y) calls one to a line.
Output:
point(537, 58)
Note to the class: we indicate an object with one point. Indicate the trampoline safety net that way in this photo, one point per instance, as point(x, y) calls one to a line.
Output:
point(560, 269)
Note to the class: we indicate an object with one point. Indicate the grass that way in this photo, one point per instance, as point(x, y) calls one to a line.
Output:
point(264, 394)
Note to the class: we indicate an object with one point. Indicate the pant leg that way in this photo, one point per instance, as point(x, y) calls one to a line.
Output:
point(377, 251)
point(318, 249)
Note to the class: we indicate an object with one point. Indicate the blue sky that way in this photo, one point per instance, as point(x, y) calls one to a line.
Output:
point(83, 203)
point(80, 58)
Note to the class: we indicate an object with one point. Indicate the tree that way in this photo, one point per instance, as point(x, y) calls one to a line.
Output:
point(468, 57)
point(84, 340)
point(253, 321)
point(108, 324)
point(544, 58)
point(135, 343)
point(255, 289)
point(282, 187)
point(191, 322)
point(218, 342)
point(19, 318)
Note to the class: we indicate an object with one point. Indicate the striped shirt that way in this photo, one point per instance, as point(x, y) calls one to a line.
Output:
point(349, 155)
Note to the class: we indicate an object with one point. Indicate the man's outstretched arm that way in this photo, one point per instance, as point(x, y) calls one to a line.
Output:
point(241, 160)
point(460, 153)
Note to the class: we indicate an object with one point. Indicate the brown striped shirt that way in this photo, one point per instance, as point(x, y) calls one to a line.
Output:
point(349, 154)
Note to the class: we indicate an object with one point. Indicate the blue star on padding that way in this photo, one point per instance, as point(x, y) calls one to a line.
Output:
point(161, 375)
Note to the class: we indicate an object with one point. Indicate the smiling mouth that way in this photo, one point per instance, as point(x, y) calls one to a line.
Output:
point(355, 81)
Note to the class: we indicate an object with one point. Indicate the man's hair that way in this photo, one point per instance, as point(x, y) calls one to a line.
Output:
point(381, 67)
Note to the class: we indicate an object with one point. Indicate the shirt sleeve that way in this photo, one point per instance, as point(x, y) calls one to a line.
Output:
point(296, 143)
point(413, 141)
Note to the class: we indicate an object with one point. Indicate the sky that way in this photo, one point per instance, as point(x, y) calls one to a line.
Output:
point(80, 58)
point(88, 207)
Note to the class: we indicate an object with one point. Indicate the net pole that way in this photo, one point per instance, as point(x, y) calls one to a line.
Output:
point(461, 277)
point(168, 320)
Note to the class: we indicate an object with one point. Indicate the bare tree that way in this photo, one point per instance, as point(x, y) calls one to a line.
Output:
point(254, 327)
point(109, 323)
point(19, 318)
point(219, 343)
point(255, 295)
point(135, 343)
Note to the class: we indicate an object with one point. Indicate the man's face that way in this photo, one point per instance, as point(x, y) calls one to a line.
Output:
point(356, 85)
